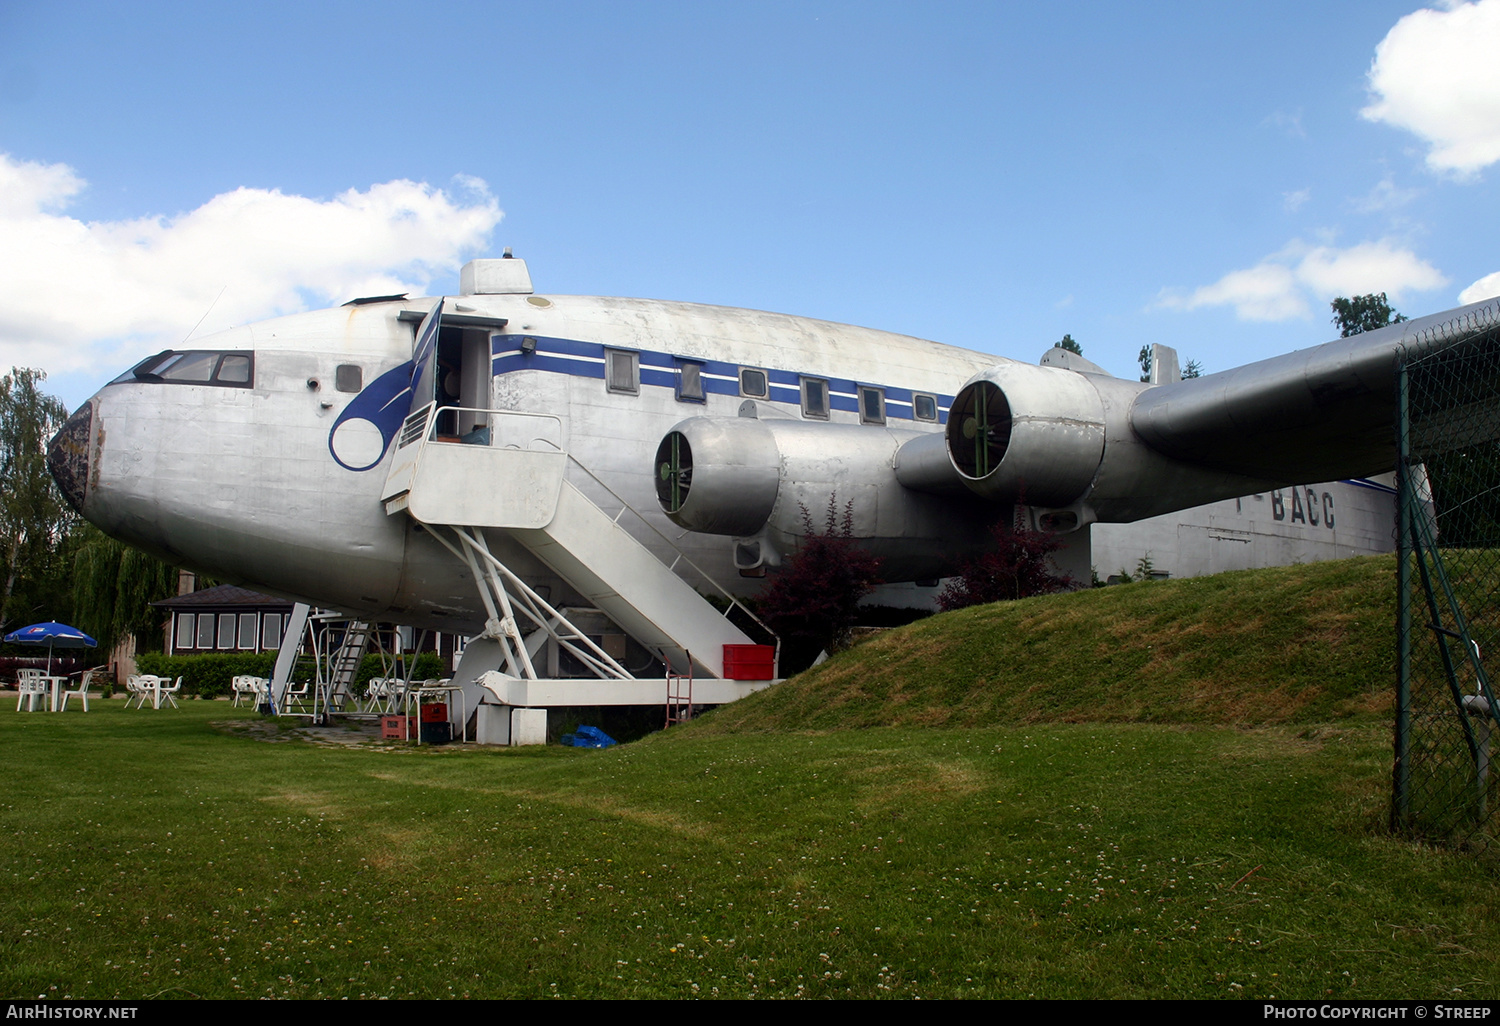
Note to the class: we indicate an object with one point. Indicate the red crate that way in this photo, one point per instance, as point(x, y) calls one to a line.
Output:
point(750, 662)
point(398, 728)
point(435, 712)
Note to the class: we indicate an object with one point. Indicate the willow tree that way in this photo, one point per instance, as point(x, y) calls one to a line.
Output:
point(114, 585)
point(34, 519)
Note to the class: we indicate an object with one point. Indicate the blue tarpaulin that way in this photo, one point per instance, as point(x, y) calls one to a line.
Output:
point(588, 737)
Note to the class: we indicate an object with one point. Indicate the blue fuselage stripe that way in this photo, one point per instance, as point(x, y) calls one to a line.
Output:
point(659, 370)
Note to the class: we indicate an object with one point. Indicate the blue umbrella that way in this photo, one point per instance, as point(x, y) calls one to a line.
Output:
point(53, 635)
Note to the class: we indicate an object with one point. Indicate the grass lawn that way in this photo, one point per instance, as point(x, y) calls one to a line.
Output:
point(157, 854)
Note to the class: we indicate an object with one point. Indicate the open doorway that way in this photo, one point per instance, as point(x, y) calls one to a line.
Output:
point(463, 380)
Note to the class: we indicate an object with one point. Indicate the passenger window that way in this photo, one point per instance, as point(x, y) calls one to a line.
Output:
point(622, 371)
point(871, 406)
point(753, 383)
point(815, 398)
point(924, 407)
point(689, 381)
point(349, 377)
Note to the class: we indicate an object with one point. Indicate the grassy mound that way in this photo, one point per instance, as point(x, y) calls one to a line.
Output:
point(1296, 644)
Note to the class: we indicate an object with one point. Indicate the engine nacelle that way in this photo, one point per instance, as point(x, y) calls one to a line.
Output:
point(1018, 433)
point(718, 475)
point(769, 483)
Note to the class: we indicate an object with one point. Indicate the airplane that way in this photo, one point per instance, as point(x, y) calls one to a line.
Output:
point(485, 462)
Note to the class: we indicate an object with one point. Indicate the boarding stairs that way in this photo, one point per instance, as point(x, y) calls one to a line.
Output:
point(517, 486)
point(344, 664)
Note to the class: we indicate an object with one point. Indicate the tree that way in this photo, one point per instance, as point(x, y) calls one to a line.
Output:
point(34, 520)
point(1193, 369)
point(114, 585)
point(812, 603)
point(1363, 313)
point(1144, 358)
point(1019, 566)
point(1068, 344)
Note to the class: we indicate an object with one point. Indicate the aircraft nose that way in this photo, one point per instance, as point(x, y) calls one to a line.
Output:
point(68, 456)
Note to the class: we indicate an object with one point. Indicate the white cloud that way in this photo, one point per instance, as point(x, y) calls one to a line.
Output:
point(1288, 284)
point(1435, 74)
point(1386, 195)
point(1291, 202)
point(1266, 292)
point(78, 292)
point(1487, 287)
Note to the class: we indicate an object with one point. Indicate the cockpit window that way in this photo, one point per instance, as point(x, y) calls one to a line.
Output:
point(234, 369)
point(229, 370)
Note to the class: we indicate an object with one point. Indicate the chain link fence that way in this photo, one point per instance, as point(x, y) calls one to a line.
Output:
point(1448, 616)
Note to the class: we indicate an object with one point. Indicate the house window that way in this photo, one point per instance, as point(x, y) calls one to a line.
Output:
point(270, 631)
point(753, 383)
point(206, 631)
point(924, 407)
point(871, 405)
point(815, 398)
point(689, 381)
point(247, 631)
point(226, 630)
point(622, 371)
point(184, 630)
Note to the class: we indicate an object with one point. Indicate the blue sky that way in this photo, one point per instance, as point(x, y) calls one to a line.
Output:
point(989, 175)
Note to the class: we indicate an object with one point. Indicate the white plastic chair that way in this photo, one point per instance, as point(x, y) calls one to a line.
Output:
point(31, 691)
point(85, 681)
point(248, 686)
point(374, 695)
point(294, 696)
point(169, 691)
point(147, 686)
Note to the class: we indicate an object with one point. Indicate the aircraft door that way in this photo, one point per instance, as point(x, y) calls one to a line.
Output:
point(461, 384)
point(476, 377)
point(424, 355)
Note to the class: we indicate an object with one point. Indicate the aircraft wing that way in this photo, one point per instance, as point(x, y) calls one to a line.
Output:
point(1313, 415)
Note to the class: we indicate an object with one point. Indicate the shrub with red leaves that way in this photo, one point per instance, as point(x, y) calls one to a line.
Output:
point(811, 602)
point(1019, 566)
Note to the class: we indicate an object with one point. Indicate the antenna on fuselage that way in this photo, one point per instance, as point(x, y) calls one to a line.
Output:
point(205, 315)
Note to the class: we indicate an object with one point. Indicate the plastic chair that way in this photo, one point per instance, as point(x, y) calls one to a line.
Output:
point(85, 680)
point(169, 691)
point(294, 696)
point(247, 685)
point(147, 686)
point(29, 692)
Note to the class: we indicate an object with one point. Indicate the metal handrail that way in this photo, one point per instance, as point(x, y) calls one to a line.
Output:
point(433, 421)
point(683, 556)
point(734, 603)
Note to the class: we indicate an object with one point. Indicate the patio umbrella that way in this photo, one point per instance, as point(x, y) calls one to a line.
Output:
point(53, 635)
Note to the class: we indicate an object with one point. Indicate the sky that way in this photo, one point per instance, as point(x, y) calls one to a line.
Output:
point(990, 175)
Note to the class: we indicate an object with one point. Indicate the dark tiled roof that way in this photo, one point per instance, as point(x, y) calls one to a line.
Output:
point(223, 595)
